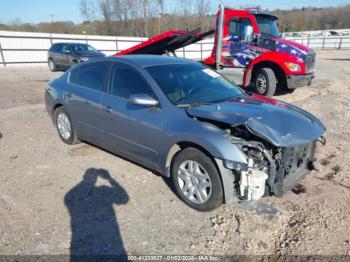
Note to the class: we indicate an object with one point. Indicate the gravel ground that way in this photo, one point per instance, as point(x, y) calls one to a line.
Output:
point(54, 201)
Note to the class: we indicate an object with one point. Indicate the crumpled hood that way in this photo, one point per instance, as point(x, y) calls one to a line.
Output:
point(92, 54)
point(280, 123)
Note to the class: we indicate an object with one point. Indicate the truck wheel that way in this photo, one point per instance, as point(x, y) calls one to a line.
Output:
point(196, 180)
point(265, 82)
point(65, 127)
point(52, 65)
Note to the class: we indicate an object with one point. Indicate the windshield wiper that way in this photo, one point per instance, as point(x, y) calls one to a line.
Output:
point(194, 104)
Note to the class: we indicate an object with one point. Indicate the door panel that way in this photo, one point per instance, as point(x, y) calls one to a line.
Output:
point(65, 55)
point(85, 105)
point(84, 95)
point(134, 131)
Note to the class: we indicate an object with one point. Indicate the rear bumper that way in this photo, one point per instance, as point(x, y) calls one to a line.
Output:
point(295, 81)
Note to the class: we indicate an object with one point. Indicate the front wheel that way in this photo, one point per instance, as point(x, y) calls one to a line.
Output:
point(196, 180)
point(265, 82)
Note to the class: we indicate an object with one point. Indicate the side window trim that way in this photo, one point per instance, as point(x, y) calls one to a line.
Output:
point(105, 80)
point(234, 20)
point(109, 81)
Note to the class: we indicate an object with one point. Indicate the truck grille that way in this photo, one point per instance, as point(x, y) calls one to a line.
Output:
point(310, 62)
point(293, 165)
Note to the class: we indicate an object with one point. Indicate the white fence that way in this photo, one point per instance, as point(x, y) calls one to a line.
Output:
point(321, 42)
point(31, 48)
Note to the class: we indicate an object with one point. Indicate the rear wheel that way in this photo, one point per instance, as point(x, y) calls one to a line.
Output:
point(265, 82)
point(196, 180)
point(65, 127)
point(52, 65)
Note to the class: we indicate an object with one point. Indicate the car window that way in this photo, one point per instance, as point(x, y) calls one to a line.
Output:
point(66, 48)
point(56, 48)
point(236, 27)
point(91, 75)
point(83, 47)
point(126, 81)
point(192, 83)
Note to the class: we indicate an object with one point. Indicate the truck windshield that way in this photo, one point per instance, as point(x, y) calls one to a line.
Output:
point(191, 84)
point(267, 25)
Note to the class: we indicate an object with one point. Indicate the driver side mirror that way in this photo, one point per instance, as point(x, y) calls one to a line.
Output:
point(248, 34)
point(143, 100)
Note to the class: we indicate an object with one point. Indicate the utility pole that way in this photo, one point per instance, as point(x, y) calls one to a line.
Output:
point(159, 16)
point(51, 27)
point(52, 17)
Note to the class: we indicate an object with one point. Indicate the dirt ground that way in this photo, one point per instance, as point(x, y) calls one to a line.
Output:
point(50, 203)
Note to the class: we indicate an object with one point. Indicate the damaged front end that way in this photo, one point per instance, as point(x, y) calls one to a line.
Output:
point(270, 170)
point(277, 140)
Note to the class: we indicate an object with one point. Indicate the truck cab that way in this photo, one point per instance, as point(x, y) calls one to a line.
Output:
point(250, 39)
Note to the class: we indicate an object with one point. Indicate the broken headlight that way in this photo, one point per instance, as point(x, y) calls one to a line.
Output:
point(239, 166)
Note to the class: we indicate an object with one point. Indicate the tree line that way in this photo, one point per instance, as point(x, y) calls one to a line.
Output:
point(147, 18)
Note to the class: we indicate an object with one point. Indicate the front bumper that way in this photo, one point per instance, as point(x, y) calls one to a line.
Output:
point(294, 164)
point(295, 81)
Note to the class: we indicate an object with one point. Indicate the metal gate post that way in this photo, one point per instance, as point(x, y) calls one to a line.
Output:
point(2, 56)
point(340, 42)
point(324, 39)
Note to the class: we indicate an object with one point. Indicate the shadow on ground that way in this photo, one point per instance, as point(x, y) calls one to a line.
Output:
point(94, 225)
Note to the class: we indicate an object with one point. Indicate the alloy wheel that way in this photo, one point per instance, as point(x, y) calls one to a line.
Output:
point(64, 126)
point(194, 182)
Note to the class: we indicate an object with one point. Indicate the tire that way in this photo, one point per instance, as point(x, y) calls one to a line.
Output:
point(73, 63)
point(61, 120)
point(52, 65)
point(207, 174)
point(264, 82)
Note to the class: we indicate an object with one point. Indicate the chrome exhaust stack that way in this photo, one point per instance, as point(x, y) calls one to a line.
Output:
point(220, 31)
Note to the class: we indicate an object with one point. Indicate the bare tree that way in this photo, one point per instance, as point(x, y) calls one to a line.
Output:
point(148, 12)
point(202, 9)
point(161, 6)
point(107, 11)
point(87, 9)
point(186, 11)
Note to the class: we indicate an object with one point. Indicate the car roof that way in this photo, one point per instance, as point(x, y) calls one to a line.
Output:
point(146, 60)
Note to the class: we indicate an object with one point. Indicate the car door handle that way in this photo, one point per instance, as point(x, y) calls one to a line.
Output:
point(108, 109)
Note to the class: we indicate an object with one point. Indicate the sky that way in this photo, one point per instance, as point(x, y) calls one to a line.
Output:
point(35, 11)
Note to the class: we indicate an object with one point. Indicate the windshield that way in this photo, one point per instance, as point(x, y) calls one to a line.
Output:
point(192, 83)
point(83, 47)
point(267, 26)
